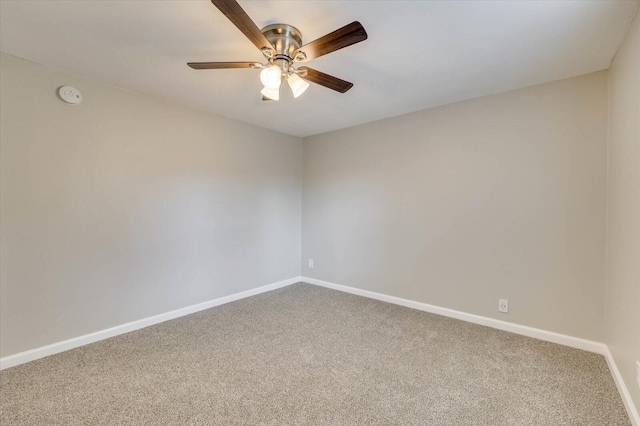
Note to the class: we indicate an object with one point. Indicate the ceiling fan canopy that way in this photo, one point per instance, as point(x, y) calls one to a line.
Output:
point(281, 45)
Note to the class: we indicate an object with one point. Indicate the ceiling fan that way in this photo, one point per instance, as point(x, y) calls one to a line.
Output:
point(281, 45)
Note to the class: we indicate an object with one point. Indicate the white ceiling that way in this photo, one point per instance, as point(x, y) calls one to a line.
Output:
point(419, 54)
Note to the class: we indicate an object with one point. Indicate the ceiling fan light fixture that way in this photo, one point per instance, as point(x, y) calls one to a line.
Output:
point(273, 94)
point(297, 85)
point(282, 45)
point(271, 77)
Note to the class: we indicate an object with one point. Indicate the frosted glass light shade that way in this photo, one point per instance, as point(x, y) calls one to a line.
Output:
point(297, 84)
point(271, 77)
point(271, 93)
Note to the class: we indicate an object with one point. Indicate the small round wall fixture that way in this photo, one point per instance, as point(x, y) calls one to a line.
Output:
point(70, 95)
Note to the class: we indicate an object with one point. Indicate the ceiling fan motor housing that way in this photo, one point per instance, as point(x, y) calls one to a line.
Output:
point(285, 39)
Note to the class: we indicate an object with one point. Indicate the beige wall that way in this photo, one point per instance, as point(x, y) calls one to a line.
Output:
point(623, 213)
point(457, 206)
point(125, 207)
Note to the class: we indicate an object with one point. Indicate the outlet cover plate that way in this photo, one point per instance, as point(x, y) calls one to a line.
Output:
point(503, 306)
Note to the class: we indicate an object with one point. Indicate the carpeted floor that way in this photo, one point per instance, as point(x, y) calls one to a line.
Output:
point(308, 355)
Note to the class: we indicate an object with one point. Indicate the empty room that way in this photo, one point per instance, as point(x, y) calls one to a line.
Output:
point(221, 212)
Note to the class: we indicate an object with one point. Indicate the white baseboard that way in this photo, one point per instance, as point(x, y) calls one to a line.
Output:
point(549, 336)
point(622, 388)
point(54, 348)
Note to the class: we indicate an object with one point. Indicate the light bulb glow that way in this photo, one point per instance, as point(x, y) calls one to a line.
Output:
point(271, 77)
point(297, 84)
point(271, 93)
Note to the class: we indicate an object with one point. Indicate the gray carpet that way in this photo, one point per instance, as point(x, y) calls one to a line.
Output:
point(308, 355)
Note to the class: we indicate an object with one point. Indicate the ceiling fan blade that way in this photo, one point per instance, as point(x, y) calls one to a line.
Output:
point(326, 80)
point(232, 10)
point(220, 65)
point(340, 38)
point(264, 98)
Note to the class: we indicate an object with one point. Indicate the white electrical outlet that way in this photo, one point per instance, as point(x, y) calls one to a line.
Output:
point(503, 305)
point(638, 373)
point(310, 263)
